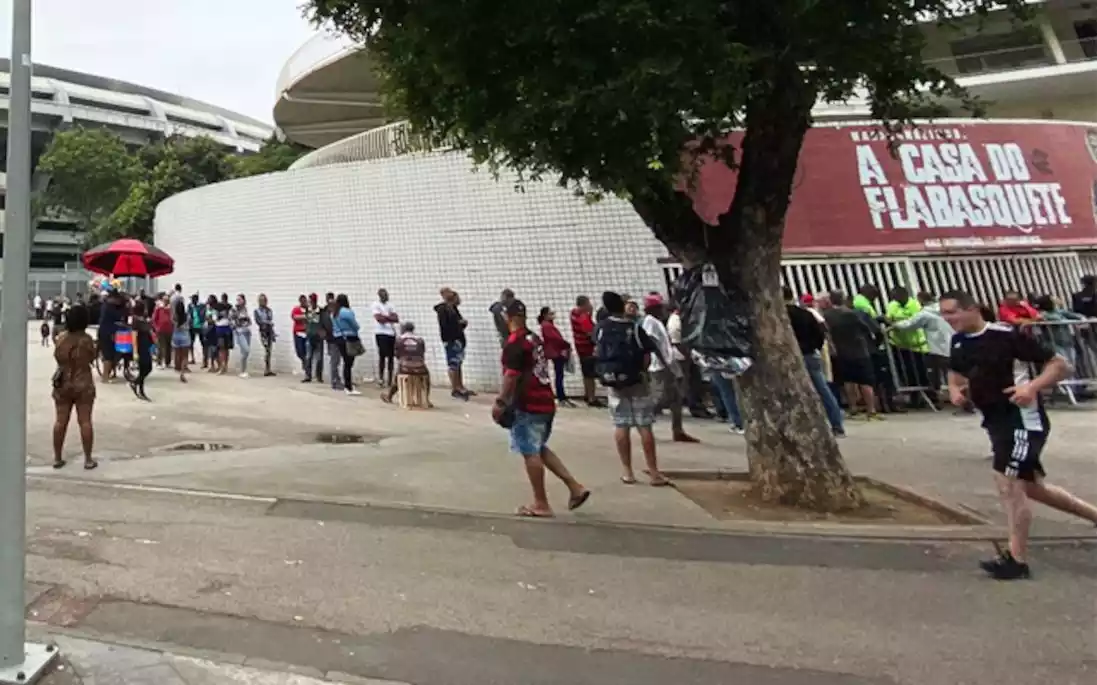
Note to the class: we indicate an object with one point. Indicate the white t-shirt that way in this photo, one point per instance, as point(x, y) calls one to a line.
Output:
point(674, 330)
point(37, 301)
point(658, 334)
point(383, 309)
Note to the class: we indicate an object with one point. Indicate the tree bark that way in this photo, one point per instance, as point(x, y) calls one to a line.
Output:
point(793, 455)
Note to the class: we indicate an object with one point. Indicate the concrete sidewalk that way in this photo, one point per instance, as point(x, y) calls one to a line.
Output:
point(454, 458)
point(91, 662)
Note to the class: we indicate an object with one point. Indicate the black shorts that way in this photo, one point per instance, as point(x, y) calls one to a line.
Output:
point(856, 371)
point(1017, 451)
point(586, 365)
point(386, 346)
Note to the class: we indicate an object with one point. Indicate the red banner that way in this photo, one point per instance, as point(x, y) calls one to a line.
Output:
point(948, 186)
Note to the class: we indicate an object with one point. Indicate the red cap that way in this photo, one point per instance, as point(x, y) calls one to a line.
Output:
point(652, 300)
point(314, 296)
point(807, 299)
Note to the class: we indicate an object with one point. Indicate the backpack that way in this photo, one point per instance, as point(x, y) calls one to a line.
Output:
point(620, 355)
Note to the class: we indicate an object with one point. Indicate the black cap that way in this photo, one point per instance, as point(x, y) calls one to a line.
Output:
point(516, 308)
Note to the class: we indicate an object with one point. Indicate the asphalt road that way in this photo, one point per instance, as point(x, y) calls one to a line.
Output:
point(454, 599)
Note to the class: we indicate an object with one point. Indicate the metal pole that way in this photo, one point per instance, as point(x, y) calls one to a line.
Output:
point(19, 662)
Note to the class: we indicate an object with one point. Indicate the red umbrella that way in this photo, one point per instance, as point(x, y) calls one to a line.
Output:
point(128, 257)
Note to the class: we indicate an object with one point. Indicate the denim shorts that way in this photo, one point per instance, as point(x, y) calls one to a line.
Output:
point(455, 355)
point(530, 433)
point(180, 339)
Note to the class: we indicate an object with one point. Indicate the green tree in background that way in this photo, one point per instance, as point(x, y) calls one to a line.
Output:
point(90, 171)
point(112, 191)
point(275, 155)
point(170, 167)
point(610, 94)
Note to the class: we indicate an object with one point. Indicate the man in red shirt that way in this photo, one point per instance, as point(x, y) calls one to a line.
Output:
point(300, 339)
point(582, 327)
point(527, 391)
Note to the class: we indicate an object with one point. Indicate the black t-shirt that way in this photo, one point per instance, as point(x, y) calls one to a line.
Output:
point(807, 329)
point(1085, 303)
point(997, 358)
point(851, 334)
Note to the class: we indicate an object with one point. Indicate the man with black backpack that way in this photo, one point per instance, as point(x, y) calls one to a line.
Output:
point(623, 351)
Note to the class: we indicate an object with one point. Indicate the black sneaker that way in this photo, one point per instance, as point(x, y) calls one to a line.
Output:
point(1009, 568)
point(839, 432)
point(991, 565)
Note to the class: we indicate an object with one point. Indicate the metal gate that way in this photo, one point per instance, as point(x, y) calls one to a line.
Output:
point(986, 277)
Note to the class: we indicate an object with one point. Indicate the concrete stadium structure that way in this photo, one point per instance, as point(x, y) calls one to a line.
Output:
point(374, 207)
point(63, 98)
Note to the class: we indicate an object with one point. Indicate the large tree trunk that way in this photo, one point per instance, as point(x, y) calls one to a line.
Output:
point(794, 457)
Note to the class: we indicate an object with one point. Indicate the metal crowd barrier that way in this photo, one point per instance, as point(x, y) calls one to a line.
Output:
point(912, 373)
point(1076, 341)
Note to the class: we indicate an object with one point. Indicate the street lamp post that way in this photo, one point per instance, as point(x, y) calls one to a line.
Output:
point(19, 662)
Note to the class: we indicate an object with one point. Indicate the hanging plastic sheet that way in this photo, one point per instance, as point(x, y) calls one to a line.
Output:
point(715, 322)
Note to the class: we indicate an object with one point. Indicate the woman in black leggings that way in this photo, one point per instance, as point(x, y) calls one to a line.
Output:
point(344, 327)
point(143, 342)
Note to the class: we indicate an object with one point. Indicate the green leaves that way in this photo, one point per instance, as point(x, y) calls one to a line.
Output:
point(90, 173)
point(610, 92)
point(112, 191)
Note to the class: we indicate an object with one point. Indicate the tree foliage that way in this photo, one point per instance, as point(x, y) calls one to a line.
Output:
point(275, 155)
point(90, 173)
point(629, 96)
point(112, 190)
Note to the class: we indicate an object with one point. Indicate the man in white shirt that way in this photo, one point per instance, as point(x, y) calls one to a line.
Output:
point(667, 379)
point(384, 331)
point(39, 307)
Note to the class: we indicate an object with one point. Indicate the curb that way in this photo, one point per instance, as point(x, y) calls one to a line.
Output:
point(730, 529)
point(44, 632)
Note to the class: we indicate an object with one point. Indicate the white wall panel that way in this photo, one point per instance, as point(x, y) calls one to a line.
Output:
point(411, 224)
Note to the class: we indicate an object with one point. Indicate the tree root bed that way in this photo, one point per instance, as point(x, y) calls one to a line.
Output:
point(733, 498)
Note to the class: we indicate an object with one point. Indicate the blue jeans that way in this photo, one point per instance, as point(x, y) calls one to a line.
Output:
point(559, 366)
point(814, 365)
point(301, 348)
point(243, 348)
point(725, 390)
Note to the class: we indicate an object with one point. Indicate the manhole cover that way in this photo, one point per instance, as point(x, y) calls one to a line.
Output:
point(199, 447)
point(340, 438)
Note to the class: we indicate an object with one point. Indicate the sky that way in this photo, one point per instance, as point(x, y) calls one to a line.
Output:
point(225, 52)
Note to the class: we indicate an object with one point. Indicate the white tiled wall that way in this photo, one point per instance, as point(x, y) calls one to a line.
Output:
point(410, 224)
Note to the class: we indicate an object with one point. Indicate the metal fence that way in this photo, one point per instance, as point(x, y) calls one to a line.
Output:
point(1075, 341)
point(987, 277)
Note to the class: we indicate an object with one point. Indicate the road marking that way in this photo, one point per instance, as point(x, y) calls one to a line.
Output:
point(160, 489)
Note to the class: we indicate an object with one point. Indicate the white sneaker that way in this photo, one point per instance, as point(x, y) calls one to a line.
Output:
point(352, 393)
point(737, 430)
point(244, 375)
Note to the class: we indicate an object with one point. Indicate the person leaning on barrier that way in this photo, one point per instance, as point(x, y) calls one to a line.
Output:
point(938, 336)
point(1061, 337)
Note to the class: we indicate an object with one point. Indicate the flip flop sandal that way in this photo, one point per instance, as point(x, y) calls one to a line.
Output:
point(526, 512)
point(628, 481)
point(660, 483)
point(579, 500)
point(89, 465)
point(59, 464)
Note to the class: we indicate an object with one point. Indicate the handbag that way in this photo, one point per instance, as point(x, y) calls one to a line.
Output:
point(58, 378)
point(355, 348)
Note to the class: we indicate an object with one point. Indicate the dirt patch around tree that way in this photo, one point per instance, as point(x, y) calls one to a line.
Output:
point(729, 497)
